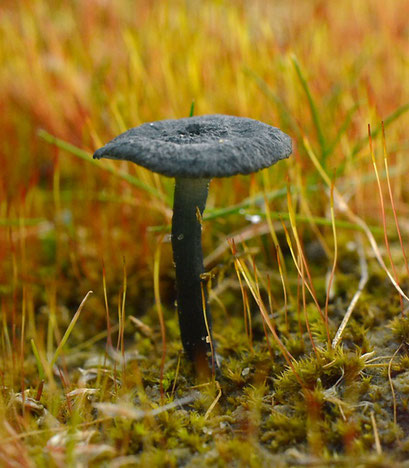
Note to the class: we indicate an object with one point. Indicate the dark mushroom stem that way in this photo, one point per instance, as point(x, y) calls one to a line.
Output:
point(190, 198)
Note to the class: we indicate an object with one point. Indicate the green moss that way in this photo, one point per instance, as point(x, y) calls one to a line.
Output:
point(400, 329)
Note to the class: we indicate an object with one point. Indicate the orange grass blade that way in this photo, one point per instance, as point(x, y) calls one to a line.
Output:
point(247, 278)
point(303, 262)
point(385, 157)
point(302, 268)
point(280, 269)
point(385, 233)
point(343, 206)
point(244, 299)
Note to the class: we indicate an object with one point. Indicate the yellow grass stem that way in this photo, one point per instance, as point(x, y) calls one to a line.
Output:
point(69, 330)
point(242, 268)
point(124, 287)
point(385, 158)
point(303, 262)
point(208, 331)
point(343, 206)
point(22, 338)
point(104, 287)
point(214, 403)
point(172, 393)
point(247, 320)
point(274, 237)
point(39, 364)
point(378, 446)
point(158, 302)
point(304, 305)
point(280, 269)
point(245, 305)
point(270, 303)
point(334, 263)
point(302, 268)
point(52, 322)
point(391, 384)
point(385, 233)
point(297, 262)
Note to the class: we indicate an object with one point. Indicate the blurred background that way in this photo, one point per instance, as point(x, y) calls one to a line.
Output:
point(85, 71)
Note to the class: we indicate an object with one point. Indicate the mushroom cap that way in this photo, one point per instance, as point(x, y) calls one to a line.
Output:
point(205, 146)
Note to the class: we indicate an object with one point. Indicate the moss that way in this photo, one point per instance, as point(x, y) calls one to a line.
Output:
point(400, 329)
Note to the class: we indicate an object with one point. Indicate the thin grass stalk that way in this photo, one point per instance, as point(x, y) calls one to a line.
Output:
point(65, 388)
point(204, 305)
point(293, 225)
point(245, 304)
point(124, 288)
point(270, 349)
point(270, 299)
point(287, 356)
point(248, 322)
point(39, 364)
point(69, 330)
point(343, 206)
point(313, 107)
point(156, 289)
point(334, 263)
point(298, 265)
point(51, 319)
point(280, 269)
point(300, 327)
point(172, 393)
point(247, 277)
point(391, 384)
point(385, 158)
point(22, 340)
point(304, 305)
point(385, 233)
point(104, 287)
point(14, 303)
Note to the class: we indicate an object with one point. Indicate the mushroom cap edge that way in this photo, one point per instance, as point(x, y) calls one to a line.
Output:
point(201, 147)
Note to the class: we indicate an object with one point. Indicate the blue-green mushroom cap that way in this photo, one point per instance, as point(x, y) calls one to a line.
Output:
point(205, 146)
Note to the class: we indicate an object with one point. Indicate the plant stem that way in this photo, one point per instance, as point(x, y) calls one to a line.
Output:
point(189, 201)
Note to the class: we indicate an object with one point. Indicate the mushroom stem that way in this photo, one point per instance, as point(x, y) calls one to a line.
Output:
point(190, 197)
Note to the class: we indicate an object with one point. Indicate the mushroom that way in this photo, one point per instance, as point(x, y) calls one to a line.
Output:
point(193, 150)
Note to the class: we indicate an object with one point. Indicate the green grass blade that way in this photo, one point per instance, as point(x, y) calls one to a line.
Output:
point(192, 109)
point(313, 108)
point(321, 221)
point(38, 360)
point(390, 119)
point(345, 124)
point(286, 118)
point(69, 330)
point(79, 153)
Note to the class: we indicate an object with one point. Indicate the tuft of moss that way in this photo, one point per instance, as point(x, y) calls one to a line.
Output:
point(400, 329)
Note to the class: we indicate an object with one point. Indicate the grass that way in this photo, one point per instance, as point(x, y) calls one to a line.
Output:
point(307, 260)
